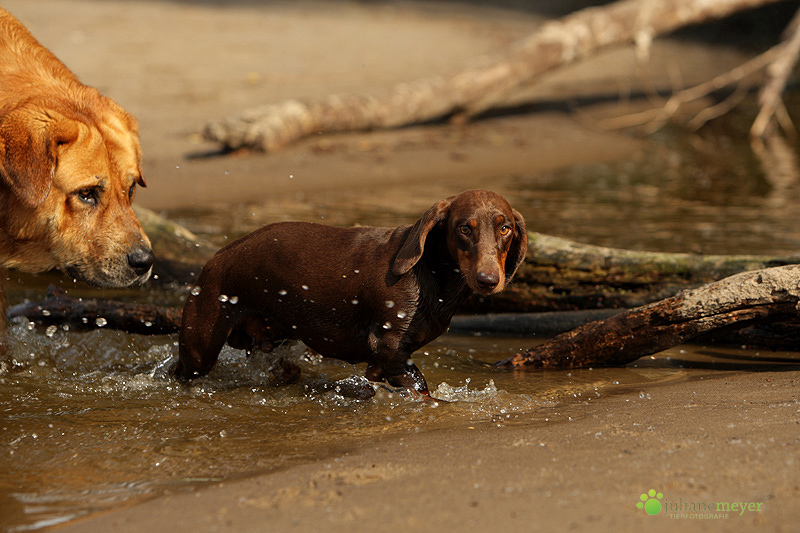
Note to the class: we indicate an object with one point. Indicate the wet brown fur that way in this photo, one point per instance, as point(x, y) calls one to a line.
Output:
point(361, 294)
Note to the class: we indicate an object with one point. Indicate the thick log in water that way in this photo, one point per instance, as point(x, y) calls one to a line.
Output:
point(78, 313)
point(558, 274)
point(180, 254)
point(763, 296)
point(563, 275)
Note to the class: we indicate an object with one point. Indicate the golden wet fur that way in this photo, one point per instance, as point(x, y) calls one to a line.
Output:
point(69, 166)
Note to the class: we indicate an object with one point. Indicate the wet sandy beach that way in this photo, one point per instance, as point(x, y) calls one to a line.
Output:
point(722, 440)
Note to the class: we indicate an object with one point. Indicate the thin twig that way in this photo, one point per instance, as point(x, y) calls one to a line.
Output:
point(655, 118)
point(778, 73)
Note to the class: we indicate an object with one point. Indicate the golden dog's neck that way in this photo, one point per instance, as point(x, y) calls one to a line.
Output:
point(24, 256)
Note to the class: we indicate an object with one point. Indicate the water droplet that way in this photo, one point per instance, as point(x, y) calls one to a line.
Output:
point(282, 292)
point(100, 322)
point(234, 300)
point(148, 324)
point(51, 330)
point(305, 287)
point(402, 314)
point(388, 325)
point(45, 312)
point(223, 298)
point(354, 302)
point(389, 304)
point(357, 271)
point(195, 290)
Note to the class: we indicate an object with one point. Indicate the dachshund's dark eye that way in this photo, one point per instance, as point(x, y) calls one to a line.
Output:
point(131, 191)
point(505, 230)
point(465, 230)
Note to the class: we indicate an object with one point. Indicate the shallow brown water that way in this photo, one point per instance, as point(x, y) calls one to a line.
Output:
point(90, 421)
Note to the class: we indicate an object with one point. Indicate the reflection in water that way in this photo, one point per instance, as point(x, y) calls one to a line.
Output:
point(779, 161)
point(702, 193)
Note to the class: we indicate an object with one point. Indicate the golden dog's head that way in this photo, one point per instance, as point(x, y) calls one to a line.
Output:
point(68, 173)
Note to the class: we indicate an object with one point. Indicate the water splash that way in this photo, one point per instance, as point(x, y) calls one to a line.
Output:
point(448, 393)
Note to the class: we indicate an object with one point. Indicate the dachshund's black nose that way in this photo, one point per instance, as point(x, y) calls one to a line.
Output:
point(487, 280)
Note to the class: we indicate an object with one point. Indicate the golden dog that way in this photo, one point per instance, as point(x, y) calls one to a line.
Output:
point(69, 166)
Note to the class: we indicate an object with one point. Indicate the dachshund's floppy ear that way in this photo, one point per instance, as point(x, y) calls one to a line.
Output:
point(28, 150)
point(411, 250)
point(519, 246)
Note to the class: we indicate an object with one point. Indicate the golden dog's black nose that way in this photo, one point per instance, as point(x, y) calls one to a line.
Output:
point(141, 260)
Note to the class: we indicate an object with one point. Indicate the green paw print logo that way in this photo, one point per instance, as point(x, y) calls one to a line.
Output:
point(651, 502)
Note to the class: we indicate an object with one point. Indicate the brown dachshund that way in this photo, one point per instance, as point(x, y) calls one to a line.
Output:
point(361, 294)
point(69, 167)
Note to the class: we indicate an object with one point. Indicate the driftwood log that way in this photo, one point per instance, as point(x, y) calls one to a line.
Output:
point(763, 296)
point(89, 313)
point(760, 307)
point(563, 275)
point(558, 274)
point(487, 83)
point(180, 254)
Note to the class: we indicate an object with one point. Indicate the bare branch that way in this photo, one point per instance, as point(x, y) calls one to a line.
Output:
point(777, 76)
point(484, 85)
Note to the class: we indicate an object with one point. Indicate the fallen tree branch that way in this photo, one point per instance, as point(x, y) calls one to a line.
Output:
point(180, 254)
point(477, 88)
point(766, 295)
point(558, 274)
point(81, 314)
point(561, 275)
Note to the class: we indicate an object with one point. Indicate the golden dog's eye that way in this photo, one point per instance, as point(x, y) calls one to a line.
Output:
point(131, 191)
point(88, 196)
point(465, 230)
point(505, 230)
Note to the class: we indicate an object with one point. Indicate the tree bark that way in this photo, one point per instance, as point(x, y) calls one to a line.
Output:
point(477, 88)
point(81, 314)
point(558, 274)
point(180, 254)
point(763, 296)
point(562, 275)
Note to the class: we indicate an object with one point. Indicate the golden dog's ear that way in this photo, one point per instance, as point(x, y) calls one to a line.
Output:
point(414, 245)
point(29, 144)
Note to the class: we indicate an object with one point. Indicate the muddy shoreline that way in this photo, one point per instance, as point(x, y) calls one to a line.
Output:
point(725, 439)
